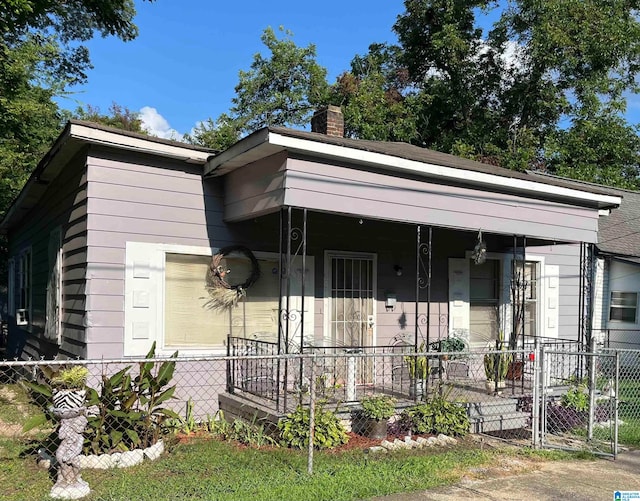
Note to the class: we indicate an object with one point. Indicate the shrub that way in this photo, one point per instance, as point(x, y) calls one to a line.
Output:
point(378, 407)
point(438, 415)
point(130, 412)
point(328, 430)
point(576, 398)
point(252, 434)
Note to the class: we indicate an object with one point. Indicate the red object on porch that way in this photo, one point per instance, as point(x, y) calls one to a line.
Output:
point(532, 357)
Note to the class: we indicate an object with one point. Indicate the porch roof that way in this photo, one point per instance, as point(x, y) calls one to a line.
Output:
point(277, 167)
point(406, 159)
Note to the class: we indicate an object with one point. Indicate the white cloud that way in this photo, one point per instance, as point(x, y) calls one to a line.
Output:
point(156, 125)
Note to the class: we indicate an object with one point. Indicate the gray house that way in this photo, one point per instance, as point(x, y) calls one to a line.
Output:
point(338, 242)
point(617, 283)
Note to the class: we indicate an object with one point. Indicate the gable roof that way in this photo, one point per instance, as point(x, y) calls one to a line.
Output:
point(405, 158)
point(76, 135)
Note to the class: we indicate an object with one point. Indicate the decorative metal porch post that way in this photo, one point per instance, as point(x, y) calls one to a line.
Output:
point(293, 243)
point(423, 281)
point(585, 302)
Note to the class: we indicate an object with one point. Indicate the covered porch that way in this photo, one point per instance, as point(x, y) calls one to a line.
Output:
point(385, 248)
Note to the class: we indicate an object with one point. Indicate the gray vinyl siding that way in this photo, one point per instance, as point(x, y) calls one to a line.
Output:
point(567, 257)
point(64, 204)
point(378, 195)
point(139, 198)
point(255, 189)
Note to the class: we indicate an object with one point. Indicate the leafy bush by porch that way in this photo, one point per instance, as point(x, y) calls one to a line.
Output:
point(437, 416)
point(328, 431)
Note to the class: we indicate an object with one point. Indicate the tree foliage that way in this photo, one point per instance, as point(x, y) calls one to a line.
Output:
point(41, 54)
point(282, 89)
point(543, 86)
point(373, 98)
point(63, 26)
point(218, 134)
point(119, 117)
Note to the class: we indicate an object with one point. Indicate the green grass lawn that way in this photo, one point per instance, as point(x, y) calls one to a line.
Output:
point(629, 412)
point(216, 470)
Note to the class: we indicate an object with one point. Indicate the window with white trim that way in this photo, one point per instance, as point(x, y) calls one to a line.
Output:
point(623, 306)
point(166, 300)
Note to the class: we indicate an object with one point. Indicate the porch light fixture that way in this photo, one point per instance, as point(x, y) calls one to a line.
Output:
point(479, 254)
point(398, 270)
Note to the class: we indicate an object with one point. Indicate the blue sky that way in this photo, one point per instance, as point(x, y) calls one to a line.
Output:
point(185, 62)
point(184, 65)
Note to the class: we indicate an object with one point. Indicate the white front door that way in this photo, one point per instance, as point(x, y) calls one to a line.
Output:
point(350, 284)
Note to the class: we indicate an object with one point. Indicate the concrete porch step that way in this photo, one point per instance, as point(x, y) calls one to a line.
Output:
point(499, 422)
point(492, 407)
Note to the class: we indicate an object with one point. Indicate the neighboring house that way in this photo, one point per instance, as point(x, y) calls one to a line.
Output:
point(111, 239)
point(616, 318)
point(616, 274)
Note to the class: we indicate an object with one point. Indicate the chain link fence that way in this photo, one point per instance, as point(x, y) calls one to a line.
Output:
point(132, 410)
point(626, 393)
point(579, 406)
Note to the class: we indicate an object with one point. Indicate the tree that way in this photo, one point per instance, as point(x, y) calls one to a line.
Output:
point(29, 119)
point(217, 134)
point(63, 26)
point(373, 98)
point(41, 54)
point(282, 89)
point(535, 90)
point(119, 117)
point(602, 149)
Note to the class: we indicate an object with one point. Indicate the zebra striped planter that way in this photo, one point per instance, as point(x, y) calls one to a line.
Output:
point(69, 399)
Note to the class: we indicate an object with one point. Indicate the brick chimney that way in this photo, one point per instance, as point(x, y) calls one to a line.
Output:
point(328, 120)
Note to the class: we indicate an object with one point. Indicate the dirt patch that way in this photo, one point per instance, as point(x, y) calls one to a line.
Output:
point(503, 467)
point(8, 394)
point(10, 430)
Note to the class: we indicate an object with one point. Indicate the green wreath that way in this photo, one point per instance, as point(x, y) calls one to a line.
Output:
point(222, 294)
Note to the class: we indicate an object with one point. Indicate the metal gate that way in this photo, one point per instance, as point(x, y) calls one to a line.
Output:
point(577, 402)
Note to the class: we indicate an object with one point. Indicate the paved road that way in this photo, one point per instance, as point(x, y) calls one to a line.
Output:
point(555, 480)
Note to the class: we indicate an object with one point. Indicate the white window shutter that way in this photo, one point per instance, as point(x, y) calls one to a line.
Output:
point(143, 296)
point(459, 297)
point(551, 309)
point(506, 296)
point(52, 328)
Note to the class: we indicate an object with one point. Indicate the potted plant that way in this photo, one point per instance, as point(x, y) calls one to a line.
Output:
point(449, 345)
point(69, 387)
point(375, 414)
point(496, 366)
point(419, 370)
